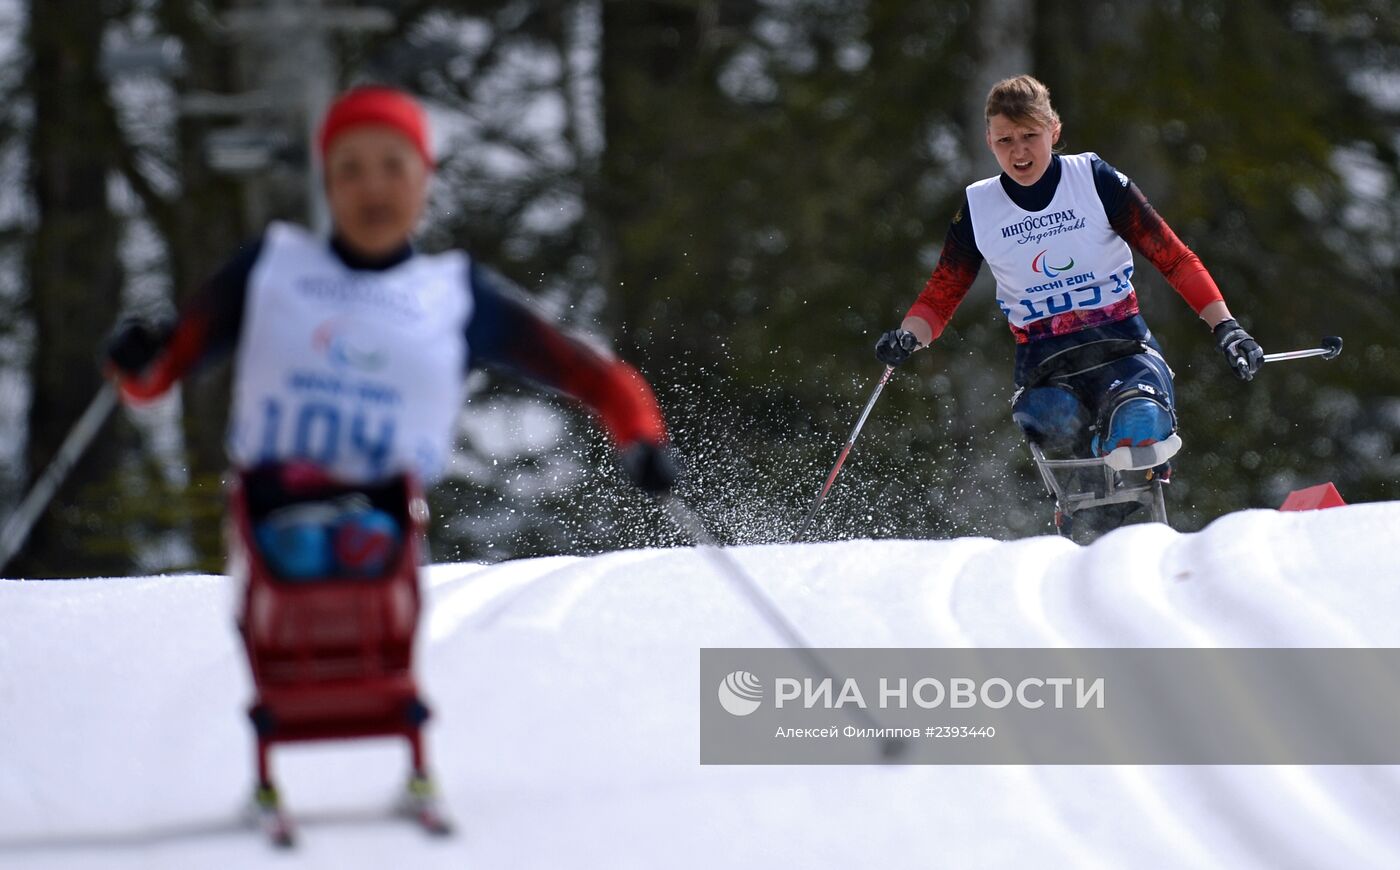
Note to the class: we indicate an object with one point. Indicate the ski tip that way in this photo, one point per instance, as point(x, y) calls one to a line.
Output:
point(1333, 346)
point(437, 827)
point(278, 830)
point(432, 820)
point(267, 814)
point(421, 805)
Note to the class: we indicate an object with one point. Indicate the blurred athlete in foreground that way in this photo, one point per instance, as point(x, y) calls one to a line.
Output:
point(350, 354)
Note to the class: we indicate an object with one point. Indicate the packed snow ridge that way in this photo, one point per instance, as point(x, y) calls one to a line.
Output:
point(567, 718)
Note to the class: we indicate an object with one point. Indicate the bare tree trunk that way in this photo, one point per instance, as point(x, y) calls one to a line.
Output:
point(74, 278)
point(204, 227)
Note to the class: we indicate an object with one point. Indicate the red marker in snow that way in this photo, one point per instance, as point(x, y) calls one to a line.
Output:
point(1324, 495)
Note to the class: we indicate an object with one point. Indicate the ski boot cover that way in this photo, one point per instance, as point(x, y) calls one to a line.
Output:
point(1053, 418)
point(1138, 422)
point(295, 540)
point(1140, 434)
point(346, 537)
point(364, 541)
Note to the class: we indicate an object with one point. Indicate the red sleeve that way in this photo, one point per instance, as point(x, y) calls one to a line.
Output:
point(614, 390)
point(957, 268)
point(1140, 226)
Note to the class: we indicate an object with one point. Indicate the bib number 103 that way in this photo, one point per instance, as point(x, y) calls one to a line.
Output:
point(327, 435)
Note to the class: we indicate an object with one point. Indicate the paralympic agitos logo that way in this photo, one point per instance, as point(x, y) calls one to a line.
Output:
point(1041, 265)
point(331, 341)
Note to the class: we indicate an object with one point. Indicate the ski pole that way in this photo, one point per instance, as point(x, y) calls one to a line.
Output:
point(22, 520)
point(1331, 348)
point(841, 460)
point(688, 522)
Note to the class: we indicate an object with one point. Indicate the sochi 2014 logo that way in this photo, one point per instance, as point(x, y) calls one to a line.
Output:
point(1041, 264)
point(331, 341)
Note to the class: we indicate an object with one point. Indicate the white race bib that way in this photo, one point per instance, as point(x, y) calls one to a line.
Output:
point(1065, 258)
point(358, 372)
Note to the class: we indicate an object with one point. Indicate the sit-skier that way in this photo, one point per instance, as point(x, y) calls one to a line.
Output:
point(1057, 230)
point(350, 355)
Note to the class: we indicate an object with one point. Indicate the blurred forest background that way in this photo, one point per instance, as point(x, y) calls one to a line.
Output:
point(737, 196)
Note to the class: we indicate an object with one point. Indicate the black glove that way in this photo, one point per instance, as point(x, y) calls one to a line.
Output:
point(895, 346)
point(652, 467)
point(134, 344)
point(1240, 349)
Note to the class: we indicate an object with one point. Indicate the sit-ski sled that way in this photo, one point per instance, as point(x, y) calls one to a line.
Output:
point(1126, 475)
point(331, 657)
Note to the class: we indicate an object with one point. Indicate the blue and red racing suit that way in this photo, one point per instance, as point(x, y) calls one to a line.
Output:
point(357, 366)
point(1098, 352)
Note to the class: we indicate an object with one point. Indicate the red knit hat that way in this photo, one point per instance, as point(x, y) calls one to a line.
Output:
point(379, 105)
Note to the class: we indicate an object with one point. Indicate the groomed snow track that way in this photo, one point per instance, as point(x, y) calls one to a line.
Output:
point(567, 729)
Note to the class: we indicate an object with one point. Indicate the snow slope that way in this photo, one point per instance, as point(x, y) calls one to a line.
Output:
point(567, 730)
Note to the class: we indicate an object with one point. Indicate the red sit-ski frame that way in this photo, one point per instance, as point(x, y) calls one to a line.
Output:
point(331, 659)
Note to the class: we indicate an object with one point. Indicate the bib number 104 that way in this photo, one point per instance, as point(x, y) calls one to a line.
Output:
point(327, 435)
